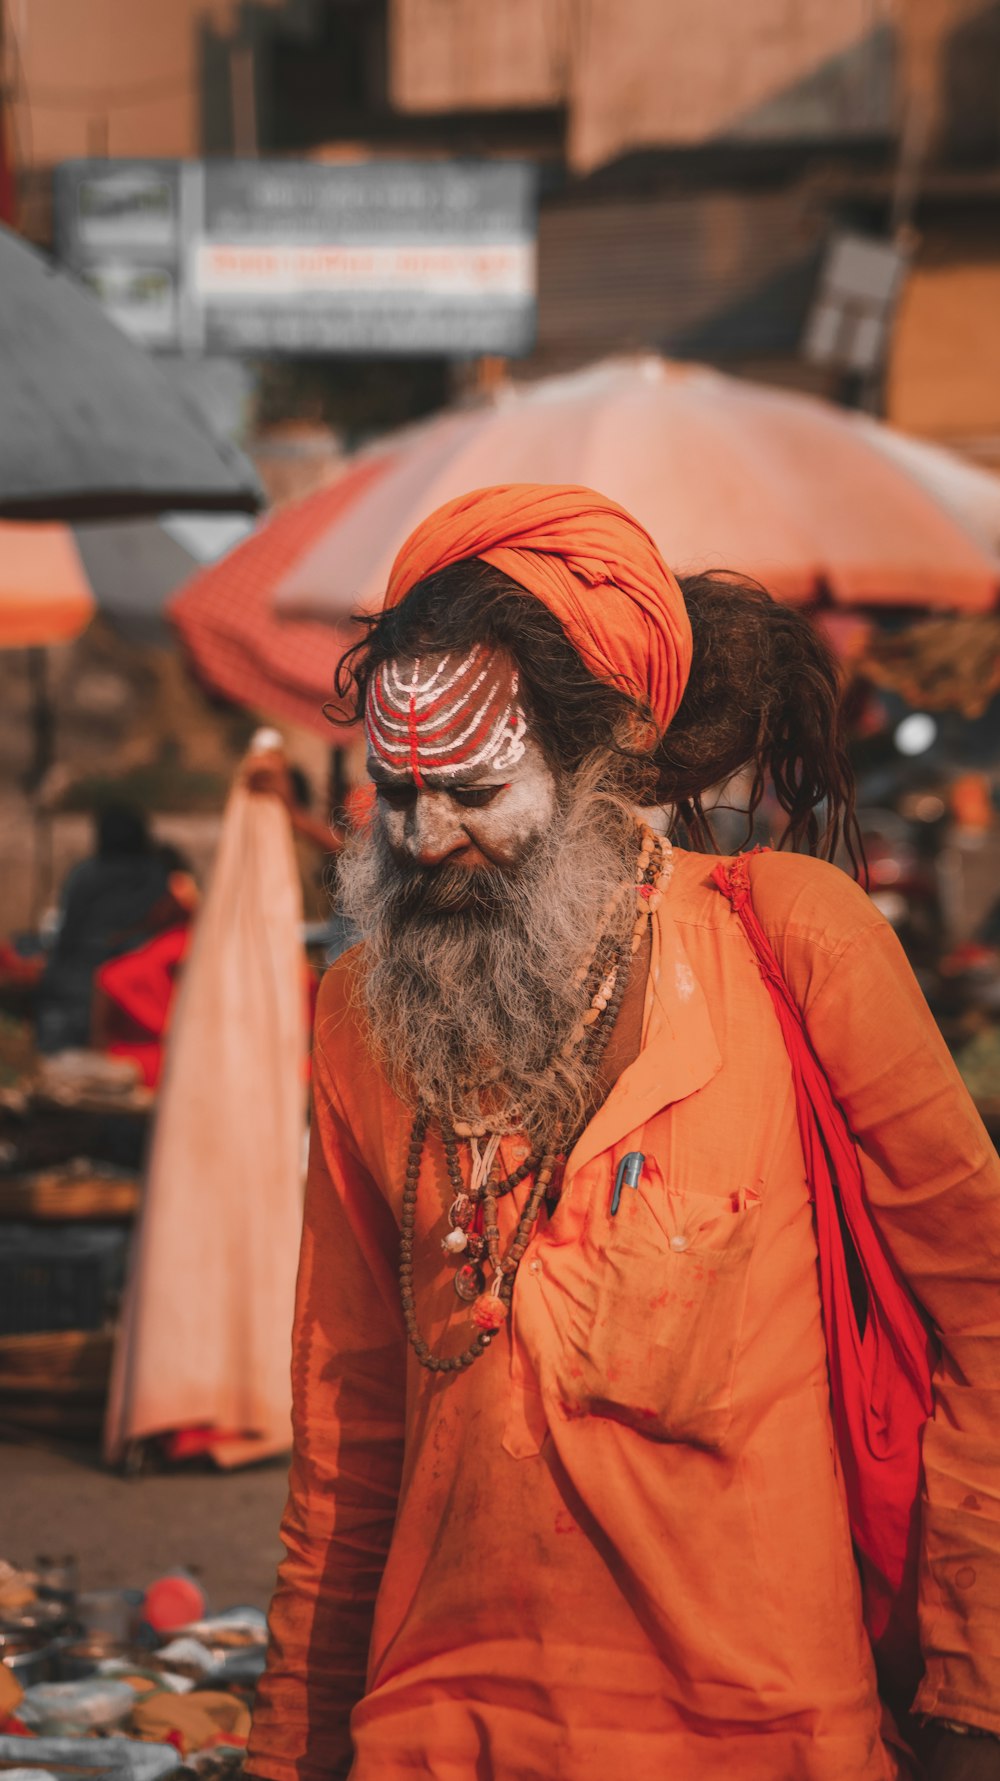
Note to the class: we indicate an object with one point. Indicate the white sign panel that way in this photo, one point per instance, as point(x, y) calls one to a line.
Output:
point(263, 257)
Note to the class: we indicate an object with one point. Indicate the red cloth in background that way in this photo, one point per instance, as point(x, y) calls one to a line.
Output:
point(139, 989)
point(17, 970)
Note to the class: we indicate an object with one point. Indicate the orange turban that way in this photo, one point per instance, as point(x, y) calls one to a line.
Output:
point(587, 560)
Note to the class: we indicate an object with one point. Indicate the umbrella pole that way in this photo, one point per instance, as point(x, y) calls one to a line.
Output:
point(43, 727)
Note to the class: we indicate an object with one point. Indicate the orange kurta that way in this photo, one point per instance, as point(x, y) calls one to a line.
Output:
point(618, 1544)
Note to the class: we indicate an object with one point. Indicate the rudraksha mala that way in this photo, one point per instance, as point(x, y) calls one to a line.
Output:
point(474, 1228)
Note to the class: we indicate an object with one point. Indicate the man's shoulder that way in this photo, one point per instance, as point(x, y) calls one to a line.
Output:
point(339, 1013)
point(794, 896)
point(805, 898)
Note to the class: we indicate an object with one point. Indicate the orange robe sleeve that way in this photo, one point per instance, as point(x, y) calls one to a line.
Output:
point(933, 1182)
point(348, 1375)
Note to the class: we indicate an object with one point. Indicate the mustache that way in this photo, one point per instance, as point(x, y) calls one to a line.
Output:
point(420, 892)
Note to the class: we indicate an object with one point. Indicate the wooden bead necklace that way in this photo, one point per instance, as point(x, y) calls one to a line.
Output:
point(473, 1237)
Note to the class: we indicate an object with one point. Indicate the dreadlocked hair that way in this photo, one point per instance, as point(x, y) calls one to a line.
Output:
point(763, 694)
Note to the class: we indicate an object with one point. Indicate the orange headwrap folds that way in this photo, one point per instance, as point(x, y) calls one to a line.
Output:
point(591, 564)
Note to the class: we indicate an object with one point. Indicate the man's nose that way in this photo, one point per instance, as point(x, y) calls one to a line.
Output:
point(435, 829)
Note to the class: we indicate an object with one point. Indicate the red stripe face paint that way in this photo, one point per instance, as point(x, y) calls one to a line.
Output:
point(447, 714)
point(411, 718)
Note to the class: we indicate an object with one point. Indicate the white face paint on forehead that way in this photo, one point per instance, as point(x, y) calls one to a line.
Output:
point(444, 715)
point(461, 780)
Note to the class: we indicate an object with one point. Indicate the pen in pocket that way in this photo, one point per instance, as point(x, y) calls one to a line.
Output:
point(629, 1172)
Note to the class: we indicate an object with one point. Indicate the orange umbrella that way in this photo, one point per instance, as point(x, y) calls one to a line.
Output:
point(45, 595)
point(225, 616)
point(821, 504)
point(45, 598)
point(722, 472)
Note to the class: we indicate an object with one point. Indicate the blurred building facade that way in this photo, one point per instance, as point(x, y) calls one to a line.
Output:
point(714, 148)
point(697, 154)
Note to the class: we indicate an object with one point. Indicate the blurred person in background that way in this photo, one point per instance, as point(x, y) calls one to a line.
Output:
point(134, 992)
point(106, 904)
point(596, 1474)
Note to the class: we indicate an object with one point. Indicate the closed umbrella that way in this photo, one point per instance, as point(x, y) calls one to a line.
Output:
point(92, 426)
point(205, 1338)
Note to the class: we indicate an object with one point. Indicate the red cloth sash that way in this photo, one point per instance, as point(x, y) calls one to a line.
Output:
point(879, 1348)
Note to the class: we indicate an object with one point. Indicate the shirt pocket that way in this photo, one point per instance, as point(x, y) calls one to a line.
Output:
point(654, 1342)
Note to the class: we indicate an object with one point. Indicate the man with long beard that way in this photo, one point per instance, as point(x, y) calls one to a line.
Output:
point(566, 1501)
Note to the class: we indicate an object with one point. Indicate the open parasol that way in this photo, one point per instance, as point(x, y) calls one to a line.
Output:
point(45, 593)
point(92, 426)
point(820, 504)
point(237, 644)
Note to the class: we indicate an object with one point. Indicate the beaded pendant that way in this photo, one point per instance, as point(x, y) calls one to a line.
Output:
point(489, 1311)
point(469, 1282)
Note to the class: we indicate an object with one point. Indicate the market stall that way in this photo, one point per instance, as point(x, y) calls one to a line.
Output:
point(123, 1685)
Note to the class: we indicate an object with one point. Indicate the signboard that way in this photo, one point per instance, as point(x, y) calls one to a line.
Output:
point(263, 257)
point(848, 326)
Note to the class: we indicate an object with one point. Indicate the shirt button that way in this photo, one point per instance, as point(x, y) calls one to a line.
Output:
point(534, 1267)
point(679, 1242)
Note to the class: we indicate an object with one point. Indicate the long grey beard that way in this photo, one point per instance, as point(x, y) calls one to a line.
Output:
point(469, 1003)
